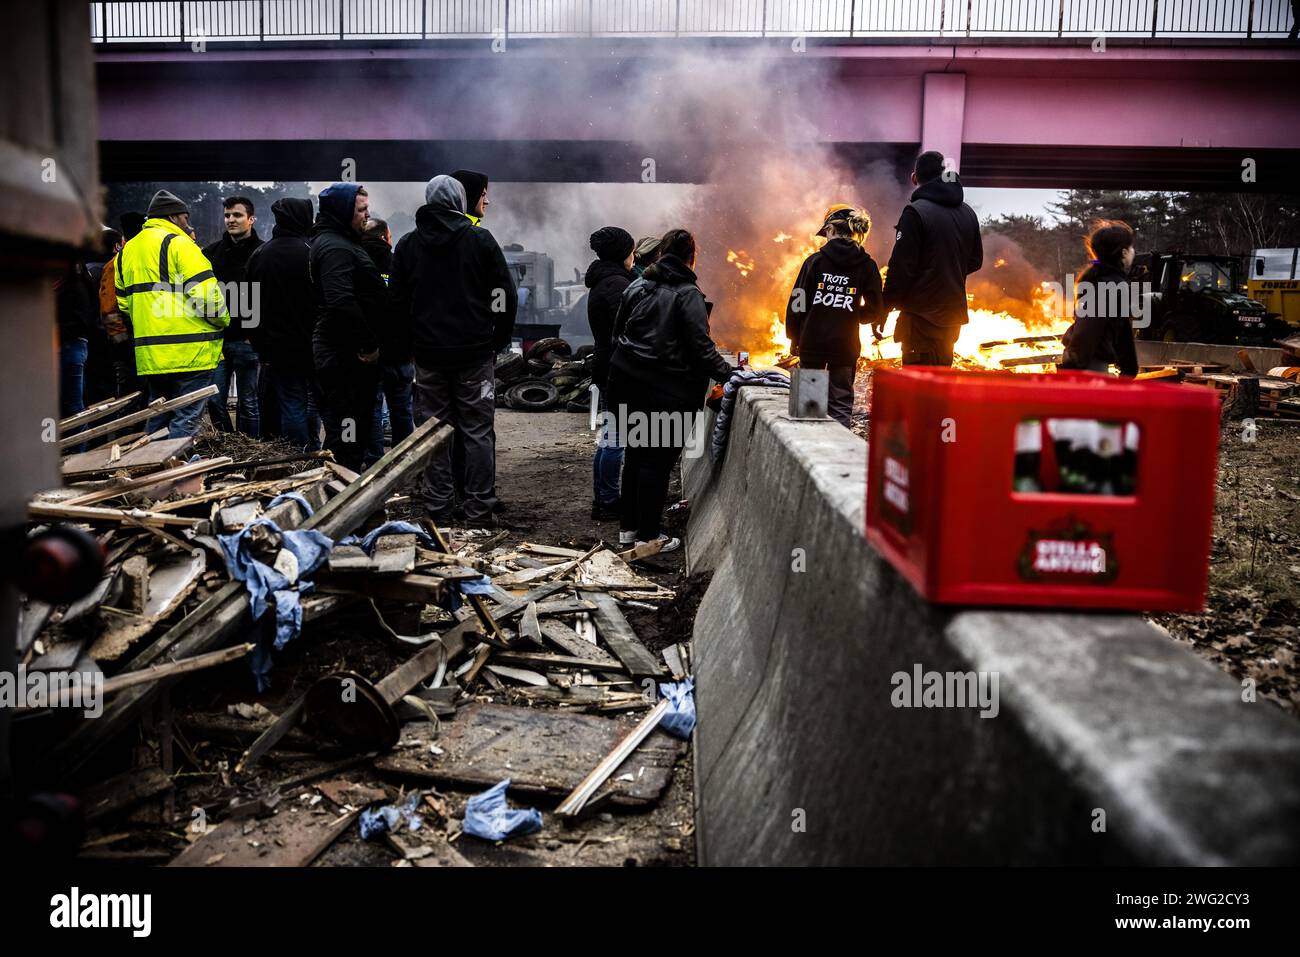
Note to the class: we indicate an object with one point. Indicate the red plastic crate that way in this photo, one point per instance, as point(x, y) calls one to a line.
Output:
point(946, 514)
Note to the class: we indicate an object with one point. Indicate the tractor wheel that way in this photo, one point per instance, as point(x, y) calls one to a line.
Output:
point(531, 395)
point(1191, 328)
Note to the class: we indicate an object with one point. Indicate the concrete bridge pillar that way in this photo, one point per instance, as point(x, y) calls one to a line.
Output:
point(943, 114)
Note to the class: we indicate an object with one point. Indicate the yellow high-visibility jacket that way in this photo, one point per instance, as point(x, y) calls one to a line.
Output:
point(165, 285)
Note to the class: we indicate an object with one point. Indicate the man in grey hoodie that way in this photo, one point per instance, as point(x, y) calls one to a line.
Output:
point(455, 299)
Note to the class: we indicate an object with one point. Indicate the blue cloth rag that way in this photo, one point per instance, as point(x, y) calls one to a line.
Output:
point(679, 720)
point(309, 548)
point(376, 822)
point(488, 816)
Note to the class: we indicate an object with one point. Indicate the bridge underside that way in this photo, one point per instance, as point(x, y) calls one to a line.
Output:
point(1163, 117)
point(607, 161)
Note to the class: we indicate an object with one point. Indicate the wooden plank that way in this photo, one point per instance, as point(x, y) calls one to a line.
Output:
point(123, 792)
point(170, 583)
point(425, 589)
point(268, 487)
point(543, 659)
point(142, 458)
point(96, 412)
point(293, 837)
point(543, 752)
point(99, 515)
point(622, 640)
point(529, 626)
point(155, 408)
point(519, 674)
point(507, 611)
point(572, 805)
point(149, 481)
point(567, 639)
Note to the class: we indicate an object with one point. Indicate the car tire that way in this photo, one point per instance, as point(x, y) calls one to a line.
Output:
point(532, 395)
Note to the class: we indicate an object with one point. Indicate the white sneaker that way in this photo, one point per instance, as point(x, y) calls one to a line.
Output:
point(670, 544)
point(627, 538)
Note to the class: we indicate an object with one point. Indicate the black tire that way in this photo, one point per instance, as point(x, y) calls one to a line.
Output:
point(510, 367)
point(584, 351)
point(499, 393)
point(1191, 328)
point(536, 368)
point(565, 382)
point(577, 369)
point(532, 395)
point(542, 347)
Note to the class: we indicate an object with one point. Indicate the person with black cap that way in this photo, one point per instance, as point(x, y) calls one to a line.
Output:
point(351, 310)
point(608, 275)
point(283, 337)
point(837, 291)
point(166, 287)
point(936, 246)
point(476, 197)
point(453, 294)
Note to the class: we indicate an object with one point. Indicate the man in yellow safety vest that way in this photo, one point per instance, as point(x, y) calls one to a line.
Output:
point(165, 286)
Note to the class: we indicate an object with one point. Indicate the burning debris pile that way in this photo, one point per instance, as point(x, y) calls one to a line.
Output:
point(489, 661)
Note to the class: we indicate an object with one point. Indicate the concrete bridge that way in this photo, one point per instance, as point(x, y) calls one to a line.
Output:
point(1025, 108)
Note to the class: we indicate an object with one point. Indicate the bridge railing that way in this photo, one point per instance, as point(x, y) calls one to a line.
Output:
point(250, 21)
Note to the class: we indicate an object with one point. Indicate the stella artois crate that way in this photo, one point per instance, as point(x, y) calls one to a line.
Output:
point(1067, 490)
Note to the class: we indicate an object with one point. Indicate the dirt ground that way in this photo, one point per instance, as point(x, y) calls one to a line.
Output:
point(1251, 625)
point(544, 477)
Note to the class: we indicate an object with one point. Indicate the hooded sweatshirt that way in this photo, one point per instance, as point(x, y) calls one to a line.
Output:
point(606, 280)
point(350, 296)
point(450, 286)
point(288, 309)
point(838, 290)
point(936, 245)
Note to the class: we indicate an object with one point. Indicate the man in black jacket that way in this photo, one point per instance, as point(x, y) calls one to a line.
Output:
point(351, 307)
point(229, 257)
point(838, 290)
point(452, 291)
point(288, 312)
point(396, 365)
point(936, 245)
point(607, 276)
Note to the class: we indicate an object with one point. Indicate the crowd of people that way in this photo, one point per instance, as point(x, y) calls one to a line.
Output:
point(327, 325)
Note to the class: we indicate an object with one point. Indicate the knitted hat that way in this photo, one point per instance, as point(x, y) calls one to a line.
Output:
point(165, 204)
point(612, 243)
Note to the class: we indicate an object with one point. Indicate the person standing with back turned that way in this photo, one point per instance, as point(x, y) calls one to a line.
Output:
point(936, 246)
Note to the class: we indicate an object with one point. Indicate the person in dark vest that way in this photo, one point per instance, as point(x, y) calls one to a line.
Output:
point(837, 292)
point(1101, 336)
point(936, 246)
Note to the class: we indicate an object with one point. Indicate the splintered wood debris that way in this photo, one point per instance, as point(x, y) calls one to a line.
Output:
point(515, 660)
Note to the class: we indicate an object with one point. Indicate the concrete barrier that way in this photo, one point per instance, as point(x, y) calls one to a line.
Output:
point(1160, 353)
point(1111, 745)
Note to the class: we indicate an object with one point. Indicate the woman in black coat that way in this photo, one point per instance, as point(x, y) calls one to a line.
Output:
point(607, 278)
point(1105, 303)
point(663, 361)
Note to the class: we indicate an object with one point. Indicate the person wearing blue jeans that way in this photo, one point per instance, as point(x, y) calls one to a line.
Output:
point(298, 396)
point(72, 376)
point(178, 422)
point(396, 384)
point(241, 361)
point(607, 466)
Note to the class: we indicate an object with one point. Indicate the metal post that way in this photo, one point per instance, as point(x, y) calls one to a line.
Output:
point(591, 23)
point(762, 26)
point(424, 19)
point(261, 19)
point(1250, 21)
point(1060, 19)
point(103, 23)
point(1155, 15)
point(943, 10)
point(968, 6)
point(341, 2)
point(505, 34)
point(182, 12)
point(853, 15)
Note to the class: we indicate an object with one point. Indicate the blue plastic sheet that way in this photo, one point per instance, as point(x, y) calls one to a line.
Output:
point(488, 816)
point(291, 497)
point(376, 822)
point(679, 720)
point(267, 584)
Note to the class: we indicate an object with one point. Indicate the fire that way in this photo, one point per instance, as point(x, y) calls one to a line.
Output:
point(984, 342)
point(999, 263)
point(741, 261)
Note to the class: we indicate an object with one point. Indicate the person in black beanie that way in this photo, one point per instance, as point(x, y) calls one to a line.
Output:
point(476, 198)
point(608, 275)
